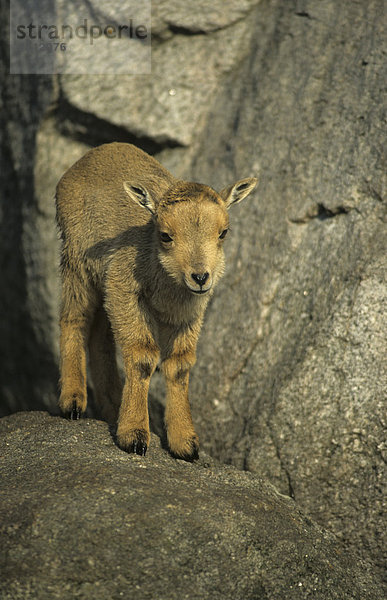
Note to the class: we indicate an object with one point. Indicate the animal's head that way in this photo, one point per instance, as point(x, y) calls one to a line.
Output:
point(191, 222)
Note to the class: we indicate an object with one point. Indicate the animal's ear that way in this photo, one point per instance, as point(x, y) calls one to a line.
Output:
point(234, 193)
point(140, 194)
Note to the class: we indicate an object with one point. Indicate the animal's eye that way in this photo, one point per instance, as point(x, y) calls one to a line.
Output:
point(223, 234)
point(165, 237)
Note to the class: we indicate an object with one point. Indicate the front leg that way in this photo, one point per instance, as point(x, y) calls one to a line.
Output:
point(182, 438)
point(140, 353)
point(133, 432)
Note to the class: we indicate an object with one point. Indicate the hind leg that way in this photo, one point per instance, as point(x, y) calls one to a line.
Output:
point(106, 380)
point(77, 309)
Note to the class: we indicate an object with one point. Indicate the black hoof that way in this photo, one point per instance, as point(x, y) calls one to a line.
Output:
point(194, 455)
point(188, 456)
point(135, 441)
point(75, 413)
point(139, 448)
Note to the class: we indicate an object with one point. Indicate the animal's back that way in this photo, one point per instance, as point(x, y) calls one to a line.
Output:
point(92, 204)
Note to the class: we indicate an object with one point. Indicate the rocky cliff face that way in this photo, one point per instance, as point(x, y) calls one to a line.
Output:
point(291, 379)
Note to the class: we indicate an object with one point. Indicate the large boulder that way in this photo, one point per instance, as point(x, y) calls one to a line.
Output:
point(82, 519)
point(290, 379)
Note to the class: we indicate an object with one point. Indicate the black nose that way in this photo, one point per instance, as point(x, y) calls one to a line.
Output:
point(200, 278)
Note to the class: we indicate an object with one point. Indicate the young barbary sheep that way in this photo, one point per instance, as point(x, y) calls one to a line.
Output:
point(141, 254)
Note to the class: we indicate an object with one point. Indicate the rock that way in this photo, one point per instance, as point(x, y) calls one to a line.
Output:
point(291, 378)
point(166, 108)
point(28, 246)
point(81, 519)
point(291, 375)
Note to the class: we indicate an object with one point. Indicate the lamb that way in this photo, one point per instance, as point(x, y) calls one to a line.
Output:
point(141, 255)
